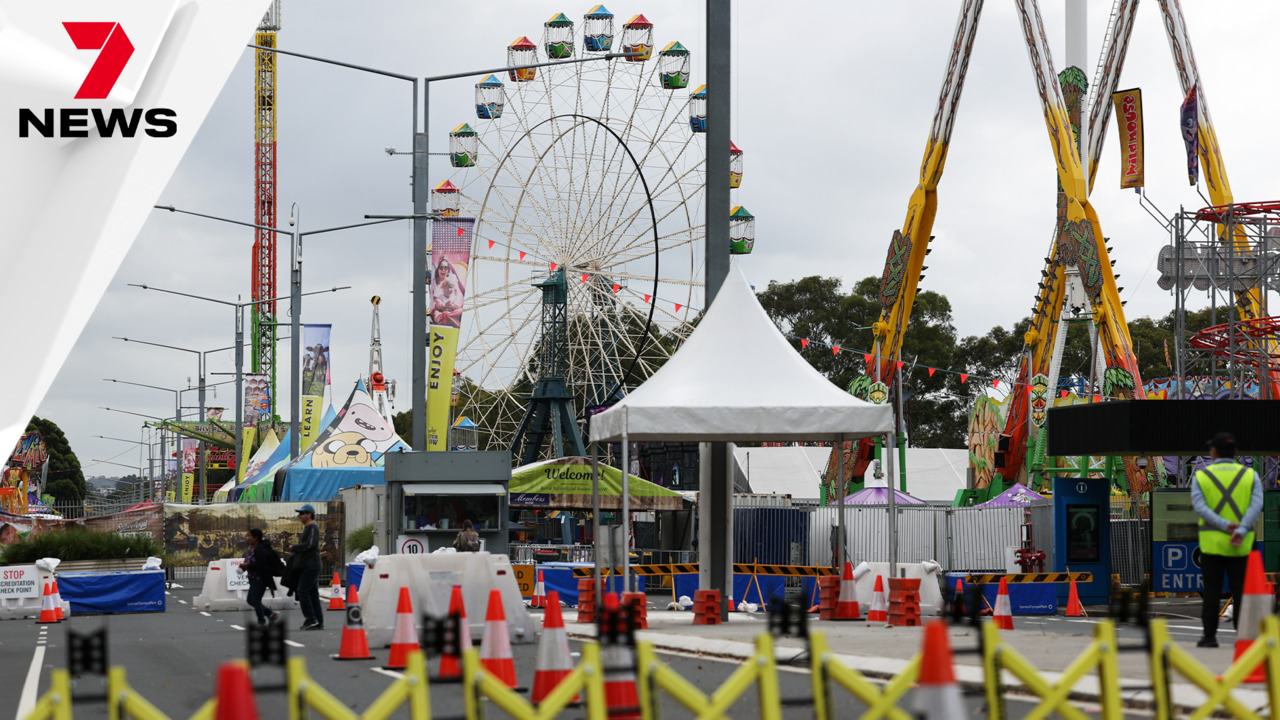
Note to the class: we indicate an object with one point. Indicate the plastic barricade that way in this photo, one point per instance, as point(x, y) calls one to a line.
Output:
point(215, 595)
point(931, 600)
point(113, 592)
point(25, 592)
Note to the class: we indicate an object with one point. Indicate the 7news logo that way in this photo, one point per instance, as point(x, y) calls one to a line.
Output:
point(115, 49)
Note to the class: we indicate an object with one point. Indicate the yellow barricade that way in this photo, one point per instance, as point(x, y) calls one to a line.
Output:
point(1101, 655)
point(761, 670)
point(823, 666)
point(586, 679)
point(1167, 657)
point(56, 703)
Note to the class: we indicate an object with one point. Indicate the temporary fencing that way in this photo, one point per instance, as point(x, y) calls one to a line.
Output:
point(1167, 658)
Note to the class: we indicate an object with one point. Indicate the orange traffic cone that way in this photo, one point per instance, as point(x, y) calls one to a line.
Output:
point(57, 601)
point(847, 605)
point(1003, 610)
point(335, 594)
point(47, 613)
point(1253, 605)
point(404, 639)
point(621, 698)
point(495, 645)
point(554, 661)
point(450, 664)
point(234, 698)
point(879, 608)
point(937, 694)
point(1074, 608)
point(355, 644)
point(539, 599)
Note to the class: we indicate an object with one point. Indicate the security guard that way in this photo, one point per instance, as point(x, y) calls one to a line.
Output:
point(1228, 498)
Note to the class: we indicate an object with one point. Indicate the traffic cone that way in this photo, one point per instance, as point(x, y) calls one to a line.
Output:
point(621, 698)
point(47, 613)
point(234, 698)
point(1003, 610)
point(539, 599)
point(450, 664)
point(847, 605)
point(1253, 605)
point(335, 594)
point(404, 639)
point(57, 601)
point(554, 661)
point(355, 644)
point(1074, 608)
point(495, 645)
point(879, 608)
point(937, 694)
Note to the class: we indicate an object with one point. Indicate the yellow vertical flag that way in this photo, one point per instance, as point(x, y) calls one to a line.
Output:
point(1128, 107)
point(188, 486)
point(448, 264)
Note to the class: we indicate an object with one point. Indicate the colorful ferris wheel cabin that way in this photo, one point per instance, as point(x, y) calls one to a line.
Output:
point(445, 199)
point(637, 37)
point(557, 37)
point(491, 97)
point(735, 166)
point(464, 146)
point(698, 109)
point(522, 52)
point(597, 29)
point(742, 231)
point(673, 66)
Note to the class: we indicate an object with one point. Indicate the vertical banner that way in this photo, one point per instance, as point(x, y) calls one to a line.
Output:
point(1191, 134)
point(315, 375)
point(257, 399)
point(1128, 106)
point(190, 459)
point(450, 258)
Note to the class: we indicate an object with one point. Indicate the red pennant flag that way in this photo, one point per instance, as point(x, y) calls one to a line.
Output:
point(995, 382)
point(584, 277)
point(866, 357)
point(490, 244)
point(459, 232)
point(1064, 393)
point(835, 349)
point(932, 371)
point(553, 267)
point(803, 343)
point(677, 307)
point(900, 364)
point(646, 299)
point(964, 378)
point(616, 288)
point(521, 254)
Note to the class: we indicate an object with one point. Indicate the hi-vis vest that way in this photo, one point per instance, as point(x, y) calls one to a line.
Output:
point(1227, 489)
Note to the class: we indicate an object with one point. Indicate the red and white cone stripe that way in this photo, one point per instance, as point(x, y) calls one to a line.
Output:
point(554, 661)
point(847, 605)
point(937, 695)
point(1003, 614)
point(495, 646)
point(404, 639)
point(879, 606)
point(539, 599)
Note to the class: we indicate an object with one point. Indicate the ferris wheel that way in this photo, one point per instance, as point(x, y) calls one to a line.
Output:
point(587, 176)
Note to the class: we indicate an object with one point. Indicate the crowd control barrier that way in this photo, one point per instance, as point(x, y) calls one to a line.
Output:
point(225, 588)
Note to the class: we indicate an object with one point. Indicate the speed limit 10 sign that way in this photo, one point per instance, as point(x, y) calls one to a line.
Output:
point(411, 545)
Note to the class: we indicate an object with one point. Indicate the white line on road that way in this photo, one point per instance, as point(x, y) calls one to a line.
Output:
point(205, 614)
point(236, 627)
point(388, 673)
point(293, 643)
point(184, 602)
point(30, 688)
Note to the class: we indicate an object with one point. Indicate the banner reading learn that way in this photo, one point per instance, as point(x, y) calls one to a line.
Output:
point(1128, 106)
point(447, 268)
point(315, 376)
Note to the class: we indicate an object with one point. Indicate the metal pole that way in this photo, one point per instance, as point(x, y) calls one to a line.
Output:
point(295, 341)
point(841, 551)
point(893, 505)
point(239, 388)
point(1077, 57)
point(595, 519)
point(203, 457)
point(718, 513)
point(626, 507)
point(419, 264)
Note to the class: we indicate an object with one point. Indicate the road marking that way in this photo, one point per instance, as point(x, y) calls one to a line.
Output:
point(205, 614)
point(184, 602)
point(388, 673)
point(293, 643)
point(236, 627)
point(30, 688)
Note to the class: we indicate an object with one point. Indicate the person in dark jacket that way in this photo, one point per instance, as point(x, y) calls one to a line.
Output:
point(468, 540)
point(261, 563)
point(308, 551)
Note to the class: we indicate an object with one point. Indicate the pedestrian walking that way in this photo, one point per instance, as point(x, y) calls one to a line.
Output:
point(307, 550)
point(1228, 498)
point(261, 563)
point(468, 540)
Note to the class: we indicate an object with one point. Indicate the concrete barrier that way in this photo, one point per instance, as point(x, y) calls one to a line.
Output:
point(430, 579)
point(216, 595)
point(930, 594)
point(28, 607)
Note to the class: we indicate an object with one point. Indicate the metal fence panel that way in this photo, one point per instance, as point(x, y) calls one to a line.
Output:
point(1131, 550)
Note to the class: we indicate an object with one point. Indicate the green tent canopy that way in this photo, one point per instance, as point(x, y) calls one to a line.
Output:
point(565, 483)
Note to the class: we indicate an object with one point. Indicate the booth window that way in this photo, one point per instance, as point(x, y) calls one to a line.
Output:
point(437, 506)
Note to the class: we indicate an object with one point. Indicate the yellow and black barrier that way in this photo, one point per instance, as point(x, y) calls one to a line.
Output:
point(824, 669)
point(1167, 658)
point(586, 680)
point(1101, 656)
point(1019, 578)
point(761, 670)
point(738, 568)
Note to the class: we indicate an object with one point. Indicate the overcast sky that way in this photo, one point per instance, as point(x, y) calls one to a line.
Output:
point(832, 103)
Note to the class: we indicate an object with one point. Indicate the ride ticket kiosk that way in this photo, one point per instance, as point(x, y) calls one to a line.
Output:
point(1082, 536)
point(430, 494)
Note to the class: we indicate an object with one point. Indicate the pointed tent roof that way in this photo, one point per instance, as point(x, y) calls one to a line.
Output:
point(880, 496)
point(599, 11)
point(258, 486)
point(446, 187)
point(701, 92)
point(523, 43)
point(674, 48)
point(1018, 495)
point(463, 129)
point(269, 444)
point(638, 21)
point(741, 213)
point(558, 20)
point(489, 81)
point(737, 378)
point(733, 149)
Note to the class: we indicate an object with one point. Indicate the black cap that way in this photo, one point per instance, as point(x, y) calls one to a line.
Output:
point(1224, 443)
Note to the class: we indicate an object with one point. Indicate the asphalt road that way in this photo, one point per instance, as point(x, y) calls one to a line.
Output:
point(172, 659)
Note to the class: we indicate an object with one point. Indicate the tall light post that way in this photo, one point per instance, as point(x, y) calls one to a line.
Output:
point(295, 299)
point(239, 322)
point(151, 466)
point(177, 417)
point(131, 467)
point(420, 185)
point(201, 361)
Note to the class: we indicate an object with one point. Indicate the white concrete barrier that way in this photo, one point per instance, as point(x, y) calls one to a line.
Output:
point(430, 579)
point(930, 592)
point(16, 599)
point(226, 588)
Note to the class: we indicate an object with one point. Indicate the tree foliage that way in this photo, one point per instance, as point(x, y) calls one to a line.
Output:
point(66, 479)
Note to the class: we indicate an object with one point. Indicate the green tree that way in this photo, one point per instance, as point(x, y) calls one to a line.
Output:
point(66, 480)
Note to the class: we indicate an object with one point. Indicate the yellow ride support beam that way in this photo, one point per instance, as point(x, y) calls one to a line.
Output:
point(824, 668)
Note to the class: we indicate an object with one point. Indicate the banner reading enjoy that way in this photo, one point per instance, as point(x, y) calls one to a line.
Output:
point(1128, 106)
point(315, 376)
point(450, 258)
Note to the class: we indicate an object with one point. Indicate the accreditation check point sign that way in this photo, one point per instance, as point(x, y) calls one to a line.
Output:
point(19, 582)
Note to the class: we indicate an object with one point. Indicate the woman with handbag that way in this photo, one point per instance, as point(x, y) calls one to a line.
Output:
point(260, 563)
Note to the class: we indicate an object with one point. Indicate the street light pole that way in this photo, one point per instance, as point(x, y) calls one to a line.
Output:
point(177, 417)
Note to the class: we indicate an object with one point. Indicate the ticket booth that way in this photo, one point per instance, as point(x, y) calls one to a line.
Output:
point(431, 493)
point(1082, 536)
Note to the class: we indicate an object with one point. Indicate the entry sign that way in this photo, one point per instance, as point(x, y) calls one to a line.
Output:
point(411, 545)
point(236, 580)
point(19, 581)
